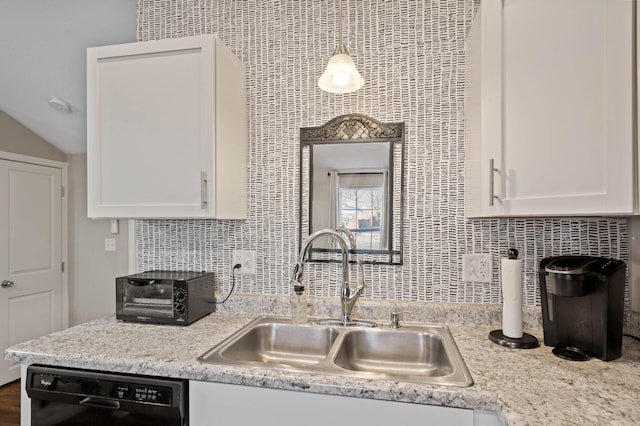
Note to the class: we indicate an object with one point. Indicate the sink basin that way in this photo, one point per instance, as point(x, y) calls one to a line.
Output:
point(394, 352)
point(413, 353)
point(285, 344)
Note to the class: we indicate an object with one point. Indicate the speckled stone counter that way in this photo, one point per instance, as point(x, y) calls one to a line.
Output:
point(525, 387)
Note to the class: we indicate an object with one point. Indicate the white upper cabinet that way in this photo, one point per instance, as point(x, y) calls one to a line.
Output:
point(167, 130)
point(549, 109)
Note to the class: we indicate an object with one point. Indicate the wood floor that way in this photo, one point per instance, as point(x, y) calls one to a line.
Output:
point(10, 404)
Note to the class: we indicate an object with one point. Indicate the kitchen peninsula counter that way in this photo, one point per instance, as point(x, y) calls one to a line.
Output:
point(522, 386)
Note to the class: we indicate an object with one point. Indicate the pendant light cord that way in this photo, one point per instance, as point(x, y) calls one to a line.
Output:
point(340, 45)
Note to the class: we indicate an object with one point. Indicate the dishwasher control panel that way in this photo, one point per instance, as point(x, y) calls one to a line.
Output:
point(82, 385)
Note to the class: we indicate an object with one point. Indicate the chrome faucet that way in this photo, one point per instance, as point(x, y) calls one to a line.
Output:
point(348, 297)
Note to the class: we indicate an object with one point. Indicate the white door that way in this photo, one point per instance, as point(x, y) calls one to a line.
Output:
point(30, 256)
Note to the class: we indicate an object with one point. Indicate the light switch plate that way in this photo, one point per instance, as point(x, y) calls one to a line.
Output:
point(109, 244)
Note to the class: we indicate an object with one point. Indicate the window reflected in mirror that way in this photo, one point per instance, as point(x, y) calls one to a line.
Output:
point(356, 200)
point(361, 201)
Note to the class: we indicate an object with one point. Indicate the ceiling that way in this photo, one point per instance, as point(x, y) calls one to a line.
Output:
point(43, 55)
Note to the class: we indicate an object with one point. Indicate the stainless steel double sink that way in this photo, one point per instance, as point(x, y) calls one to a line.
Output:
point(412, 353)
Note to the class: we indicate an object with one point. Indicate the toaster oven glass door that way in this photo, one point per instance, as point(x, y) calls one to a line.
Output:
point(148, 297)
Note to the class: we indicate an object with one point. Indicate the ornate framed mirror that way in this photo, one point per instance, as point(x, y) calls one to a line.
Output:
point(352, 175)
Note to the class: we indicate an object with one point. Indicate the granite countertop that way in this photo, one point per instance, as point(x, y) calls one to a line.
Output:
point(523, 386)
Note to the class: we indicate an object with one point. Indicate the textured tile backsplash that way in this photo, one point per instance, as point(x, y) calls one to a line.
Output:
point(411, 54)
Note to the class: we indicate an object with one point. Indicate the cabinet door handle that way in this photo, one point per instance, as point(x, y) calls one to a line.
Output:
point(492, 171)
point(203, 190)
point(7, 283)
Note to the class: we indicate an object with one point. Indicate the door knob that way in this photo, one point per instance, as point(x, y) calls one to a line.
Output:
point(7, 283)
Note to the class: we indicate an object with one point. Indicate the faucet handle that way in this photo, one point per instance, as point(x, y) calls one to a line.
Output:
point(395, 318)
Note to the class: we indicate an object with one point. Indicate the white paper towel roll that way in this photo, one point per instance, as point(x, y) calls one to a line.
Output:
point(512, 298)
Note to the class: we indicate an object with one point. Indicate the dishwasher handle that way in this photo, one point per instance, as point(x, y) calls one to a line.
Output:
point(92, 401)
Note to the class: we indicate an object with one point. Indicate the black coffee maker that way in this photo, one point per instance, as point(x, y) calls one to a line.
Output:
point(582, 306)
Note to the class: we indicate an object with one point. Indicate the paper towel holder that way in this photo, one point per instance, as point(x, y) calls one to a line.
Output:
point(527, 341)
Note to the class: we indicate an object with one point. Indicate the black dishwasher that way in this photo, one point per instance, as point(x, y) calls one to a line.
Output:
point(63, 396)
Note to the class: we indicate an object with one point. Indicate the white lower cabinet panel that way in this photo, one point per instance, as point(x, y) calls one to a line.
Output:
point(224, 404)
point(486, 418)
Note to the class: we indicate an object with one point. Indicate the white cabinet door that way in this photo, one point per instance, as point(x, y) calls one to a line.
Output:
point(218, 403)
point(167, 130)
point(30, 256)
point(550, 107)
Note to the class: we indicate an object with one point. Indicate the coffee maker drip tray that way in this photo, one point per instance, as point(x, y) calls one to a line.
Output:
point(570, 353)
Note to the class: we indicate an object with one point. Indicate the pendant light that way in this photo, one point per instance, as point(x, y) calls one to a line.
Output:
point(341, 75)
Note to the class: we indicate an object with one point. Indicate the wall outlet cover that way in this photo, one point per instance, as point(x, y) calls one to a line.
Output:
point(477, 268)
point(247, 261)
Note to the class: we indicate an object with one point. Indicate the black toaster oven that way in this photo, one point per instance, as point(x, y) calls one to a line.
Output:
point(165, 297)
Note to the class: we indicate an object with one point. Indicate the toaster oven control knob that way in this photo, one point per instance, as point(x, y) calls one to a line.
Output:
point(180, 294)
point(180, 308)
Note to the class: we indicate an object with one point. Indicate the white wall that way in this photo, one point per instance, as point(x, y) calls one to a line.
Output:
point(92, 270)
point(16, 138)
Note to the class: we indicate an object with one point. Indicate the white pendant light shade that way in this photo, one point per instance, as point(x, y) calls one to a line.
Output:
point(341, 75)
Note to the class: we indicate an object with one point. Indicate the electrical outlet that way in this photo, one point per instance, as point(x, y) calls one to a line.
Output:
point(247, 260)
point(477, 268)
